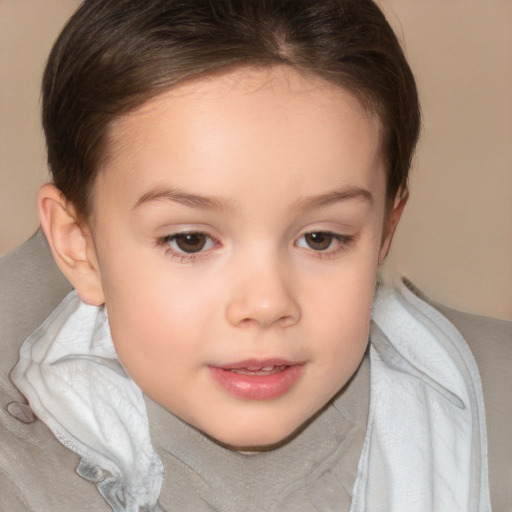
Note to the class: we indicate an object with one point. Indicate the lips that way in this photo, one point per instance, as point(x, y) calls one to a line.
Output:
point(267, 370)
point(257, 379)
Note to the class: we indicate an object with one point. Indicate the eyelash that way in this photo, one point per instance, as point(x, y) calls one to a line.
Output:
point(343, 243)
point(184, 257)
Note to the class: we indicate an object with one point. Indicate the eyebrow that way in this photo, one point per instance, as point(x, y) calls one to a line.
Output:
point(184, 198)
point(335, 196)
point(212, 203)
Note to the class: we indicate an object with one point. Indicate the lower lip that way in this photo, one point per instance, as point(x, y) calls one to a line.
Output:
point(257, 387)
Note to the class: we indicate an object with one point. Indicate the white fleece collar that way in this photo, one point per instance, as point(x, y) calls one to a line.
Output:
point(426, 447)
point(69, 371)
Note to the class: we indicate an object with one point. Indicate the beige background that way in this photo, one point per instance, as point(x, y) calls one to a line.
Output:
point(455, 241)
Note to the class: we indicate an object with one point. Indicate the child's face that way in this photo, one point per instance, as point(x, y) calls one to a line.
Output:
point(238, 226)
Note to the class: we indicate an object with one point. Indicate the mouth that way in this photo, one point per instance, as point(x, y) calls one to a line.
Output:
point(257, 380)
point(266, 370)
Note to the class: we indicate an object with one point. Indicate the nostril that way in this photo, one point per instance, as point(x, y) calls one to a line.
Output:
point(245, 322)
point(270, 320)
point(287, 320)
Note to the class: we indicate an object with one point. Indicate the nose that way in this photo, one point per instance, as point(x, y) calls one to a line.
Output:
point(262, 296)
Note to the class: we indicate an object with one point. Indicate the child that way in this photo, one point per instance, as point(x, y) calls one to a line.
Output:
point(227, 178)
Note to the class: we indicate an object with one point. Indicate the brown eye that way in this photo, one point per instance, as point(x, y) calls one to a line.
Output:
point(318, 241)
point(190, 242)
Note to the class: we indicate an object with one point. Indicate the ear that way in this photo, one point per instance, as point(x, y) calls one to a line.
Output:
point(71, 244)
point(391, 222)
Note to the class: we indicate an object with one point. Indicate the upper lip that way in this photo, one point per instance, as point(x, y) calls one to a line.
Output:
point(257, 364)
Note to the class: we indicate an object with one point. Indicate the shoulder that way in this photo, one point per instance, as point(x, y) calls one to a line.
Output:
point(31, 286)
point(37, 472)
point(490, 341)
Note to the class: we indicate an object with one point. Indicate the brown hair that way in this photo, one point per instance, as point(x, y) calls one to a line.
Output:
point(112, 56)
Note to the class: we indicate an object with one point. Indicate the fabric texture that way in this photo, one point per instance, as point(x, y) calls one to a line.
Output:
point(74, 382)
point(426, 413)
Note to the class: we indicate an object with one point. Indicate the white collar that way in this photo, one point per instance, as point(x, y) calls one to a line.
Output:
point(425, 447)
point(69, 371)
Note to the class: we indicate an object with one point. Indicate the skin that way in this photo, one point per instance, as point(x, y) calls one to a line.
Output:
point(255, 159)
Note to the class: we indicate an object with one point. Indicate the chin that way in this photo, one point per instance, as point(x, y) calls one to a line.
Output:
point(267, 438)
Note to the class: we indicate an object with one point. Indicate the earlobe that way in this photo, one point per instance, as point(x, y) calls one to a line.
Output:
point(71, 244)
point(391, 223)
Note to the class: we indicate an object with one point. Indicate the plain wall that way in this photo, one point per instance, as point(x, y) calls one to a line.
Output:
point(455, 240)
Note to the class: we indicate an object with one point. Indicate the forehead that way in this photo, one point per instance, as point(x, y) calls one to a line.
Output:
point(266, 123)
point(243, 89)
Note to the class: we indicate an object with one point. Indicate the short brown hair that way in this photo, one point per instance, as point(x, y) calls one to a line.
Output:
point(112, 56)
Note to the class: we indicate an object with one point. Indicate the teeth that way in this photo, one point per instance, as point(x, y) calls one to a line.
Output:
point(253, 371)
point(257, 368)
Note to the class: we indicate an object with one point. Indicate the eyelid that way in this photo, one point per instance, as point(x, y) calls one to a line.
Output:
point(343, 243)
point(184, 257)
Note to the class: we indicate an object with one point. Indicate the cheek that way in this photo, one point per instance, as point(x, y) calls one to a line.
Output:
point(341, 310)
point(154, 313)
point(157, 315)
point(342, 332)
